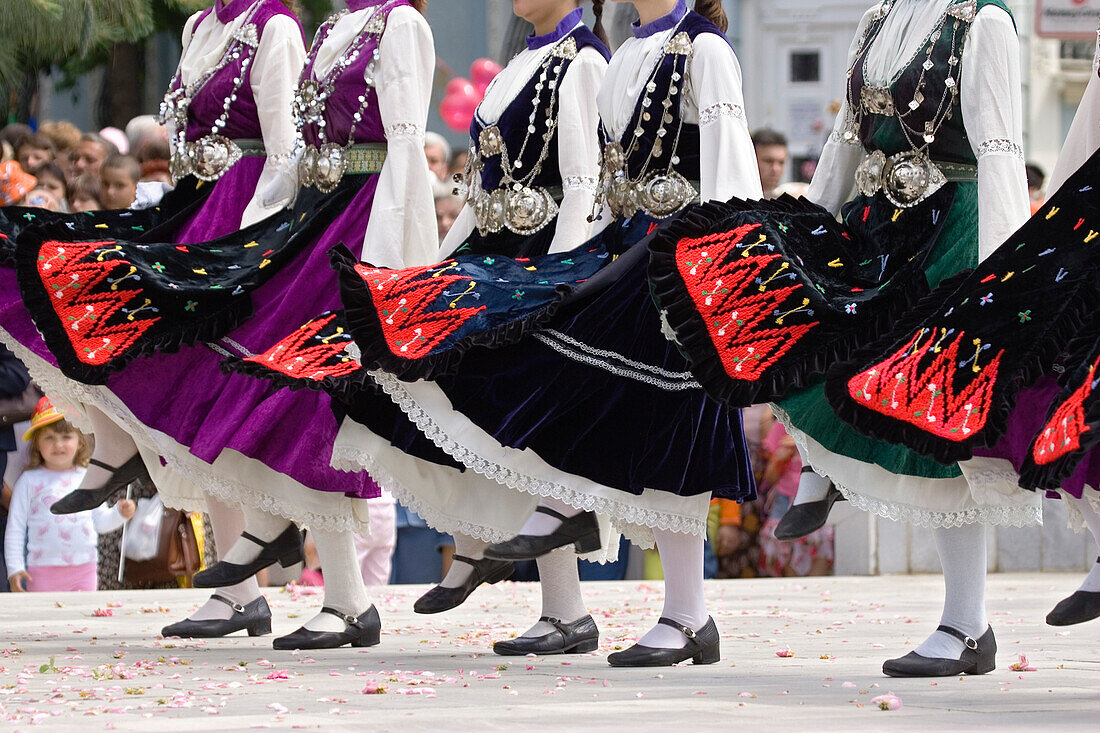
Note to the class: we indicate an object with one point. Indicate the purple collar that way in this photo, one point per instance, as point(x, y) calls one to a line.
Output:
point(664, 23)
point(228, 10)
point(567, 24)
point(354, 5)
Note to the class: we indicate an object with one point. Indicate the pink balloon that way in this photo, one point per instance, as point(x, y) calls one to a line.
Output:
point(457, 111)
point(460, 87)
point(484, 71)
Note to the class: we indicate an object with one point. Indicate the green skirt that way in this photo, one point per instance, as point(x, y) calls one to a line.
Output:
point(809, 411)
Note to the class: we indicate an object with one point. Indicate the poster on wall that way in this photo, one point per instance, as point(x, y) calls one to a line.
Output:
point(1066, 19)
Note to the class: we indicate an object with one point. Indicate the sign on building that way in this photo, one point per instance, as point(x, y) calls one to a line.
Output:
point(1066, 19)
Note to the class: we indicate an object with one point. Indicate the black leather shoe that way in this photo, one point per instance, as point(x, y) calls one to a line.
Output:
point(83, 500)
point(440, 599)
point(581, 530)
point(803, 519)
point(286, 549)
point(362, 631)
point(255, 618)
point(577, 637)
point(702, 648)
point(979, 657)
point(1081, 606)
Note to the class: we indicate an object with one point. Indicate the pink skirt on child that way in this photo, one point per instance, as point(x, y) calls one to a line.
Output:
point(62, 577)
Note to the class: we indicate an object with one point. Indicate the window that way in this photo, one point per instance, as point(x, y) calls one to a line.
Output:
point(805, 67)
point(1077, 50)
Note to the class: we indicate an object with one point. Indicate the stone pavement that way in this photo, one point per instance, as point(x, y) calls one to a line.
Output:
point(93, 660)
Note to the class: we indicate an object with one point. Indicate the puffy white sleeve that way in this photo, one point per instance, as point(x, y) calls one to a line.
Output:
point(992, 105)
point(727, 159)
point(834, 181)
point(578, 148)
point(1084, 134)
point(274, 78)
point(401, 231)
point(15, 534)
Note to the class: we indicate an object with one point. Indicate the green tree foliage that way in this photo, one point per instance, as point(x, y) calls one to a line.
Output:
point(40, 34)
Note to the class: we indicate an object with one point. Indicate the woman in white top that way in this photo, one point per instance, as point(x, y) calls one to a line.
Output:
point(360, 107)
point(580, 407)
point(1033, 301)
point(930, 137)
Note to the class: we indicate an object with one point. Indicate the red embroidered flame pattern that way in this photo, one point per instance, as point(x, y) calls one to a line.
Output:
point(305, 354)
point(85, 298)
point(734, 293)
point(908, 387)
point(402, 299)
point(1062, 433)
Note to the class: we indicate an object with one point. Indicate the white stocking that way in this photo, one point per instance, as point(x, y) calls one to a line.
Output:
point(259, 524)
point(540, 525)
point(468, 547)
point(811, 487)
point(113, 446)
point(962, 556)
point(560, 583)
point(682, 563)
point(227, 523)
point(1092, 519)
point(344, 589)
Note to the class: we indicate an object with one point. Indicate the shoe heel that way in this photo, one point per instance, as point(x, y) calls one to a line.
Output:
point(500, 576)
point(587, 543)
point(292, 559)
point(369, 637)
point(985, 665)
point(260, 628)
point(709, 654)
point(589, 645)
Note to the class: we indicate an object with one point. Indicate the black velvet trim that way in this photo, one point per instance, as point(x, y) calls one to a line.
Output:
point(37, 301)
point(1051, 475)
point(694, 338)
point(1072, 322)
point(342, 389)
point(363, 323)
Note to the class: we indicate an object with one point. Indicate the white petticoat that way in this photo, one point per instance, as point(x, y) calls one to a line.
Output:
point(986, 492)
point(479, 507)
point(182, 479)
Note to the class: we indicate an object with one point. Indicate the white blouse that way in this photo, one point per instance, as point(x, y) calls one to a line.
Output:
point(1084, 134)
point(34, 537)
point(274, 76)
point(401, 231)
point(578, 141)
point(712, 99)
point(992, 109)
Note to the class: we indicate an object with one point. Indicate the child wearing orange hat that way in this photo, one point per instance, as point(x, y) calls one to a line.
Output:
point(46, 552)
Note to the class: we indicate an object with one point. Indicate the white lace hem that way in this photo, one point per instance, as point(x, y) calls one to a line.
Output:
point(715, 112)
point(1074, 518)
point(999, 515)
point(619, 511)
point(345, 458)
point(346, 515)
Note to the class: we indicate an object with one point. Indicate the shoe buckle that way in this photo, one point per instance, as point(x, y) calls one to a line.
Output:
point(688, 632)
point(237, 607)
point(970, 644)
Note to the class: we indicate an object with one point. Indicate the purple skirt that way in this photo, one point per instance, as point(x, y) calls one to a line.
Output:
point(186, 396)
point(1027, 420)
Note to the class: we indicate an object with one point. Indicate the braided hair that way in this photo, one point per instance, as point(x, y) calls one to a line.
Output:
point(598, 29)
